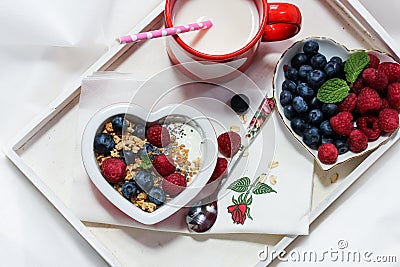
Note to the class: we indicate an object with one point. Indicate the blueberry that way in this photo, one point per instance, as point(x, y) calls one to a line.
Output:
point(149, 148)
point(298, 60)
point(333, 69)
point(329, 110)
point(318, 61)
point(103, 143)
point(336, 59)
point(157, 196)
point(240, 103)
point(327, 140)
point(285, 97)
point(314, 103)
point(342, 146)
point(144, 180)
point(325, 128)
point(298, 125)
point(289, 112)
point(289, 85)
point(139, 130)
point(315, 116)
point(129, 189)
point(316, 78)
point(119, 123)
point(311, 47)
point(306, 92)
point(303, 72)
point(299, 104)
point(127, 156)
point(312, 137)
point(291, 73)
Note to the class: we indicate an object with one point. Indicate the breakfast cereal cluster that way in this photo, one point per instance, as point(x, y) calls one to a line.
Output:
point(145, 164)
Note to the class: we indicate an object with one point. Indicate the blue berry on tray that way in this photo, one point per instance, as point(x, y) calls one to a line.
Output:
point(289, 112)
point(139, 130)
point(329, 109)
point(342, 146)
point(303, 72)
point(119, 123)
point(312, 137)
point(315, 116)
point(326, 128)
point(299, 104)
point(298, 125)
point(129, 189)
point(285, 97)
point(298, 60)
point(305, 91)
point(240, 103)
point(333, 69)
point(291, 73)
point(103, 143)
point(144, 180)
point(316, 78)
point(289, 85)
point(127, 156)
point(318, 61)
point(157, 196)
point(311, 47)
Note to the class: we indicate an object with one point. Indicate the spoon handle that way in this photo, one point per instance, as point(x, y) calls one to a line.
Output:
point(257, 121)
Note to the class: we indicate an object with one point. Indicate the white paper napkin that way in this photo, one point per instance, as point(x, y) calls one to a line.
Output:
point(283, 212)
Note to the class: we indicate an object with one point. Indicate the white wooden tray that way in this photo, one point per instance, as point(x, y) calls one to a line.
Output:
point(52, 131)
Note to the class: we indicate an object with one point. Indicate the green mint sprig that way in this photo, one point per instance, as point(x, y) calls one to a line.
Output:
point(335, 90)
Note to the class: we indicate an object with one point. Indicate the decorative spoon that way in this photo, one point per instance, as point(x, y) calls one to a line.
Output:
point(203, 215)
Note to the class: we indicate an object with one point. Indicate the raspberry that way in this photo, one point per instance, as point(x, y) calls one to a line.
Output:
point(385, 103)
point(369, 126)
point(375, 79)
point(158, 136)
point(342, 123)
point(164, 165)
point(229, 143)
point(358, 141)
point(393, 95)
point(368, 101)
point(388, 120)
point(174, 184)
point(113, 170)
point(349, 103)
point(327, 153)
point(373, 61)
point(358, 85)
point(221, 169)
point(391, 69)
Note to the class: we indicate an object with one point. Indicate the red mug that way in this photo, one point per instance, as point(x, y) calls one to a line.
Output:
point(277, 21)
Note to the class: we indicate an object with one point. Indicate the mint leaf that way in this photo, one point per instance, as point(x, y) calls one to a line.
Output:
point(262, 188)
point(146, 162)
point(333, 91)
point(240, 185)
point(355, 64)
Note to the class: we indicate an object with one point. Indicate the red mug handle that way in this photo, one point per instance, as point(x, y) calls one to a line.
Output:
point(284, 21)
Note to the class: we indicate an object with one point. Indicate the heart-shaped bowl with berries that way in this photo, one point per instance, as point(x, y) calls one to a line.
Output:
point(338, 103)
point(149, 164)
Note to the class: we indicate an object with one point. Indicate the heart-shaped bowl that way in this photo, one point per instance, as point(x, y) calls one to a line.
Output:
point(199, 138)
point(328, 48)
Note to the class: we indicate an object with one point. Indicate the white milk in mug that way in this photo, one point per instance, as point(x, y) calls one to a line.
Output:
point(236, 22)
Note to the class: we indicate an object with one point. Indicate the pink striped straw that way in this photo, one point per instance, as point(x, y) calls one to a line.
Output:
point(165, 32)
